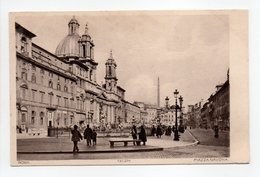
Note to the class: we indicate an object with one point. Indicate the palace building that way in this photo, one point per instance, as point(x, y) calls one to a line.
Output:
point(60, 90)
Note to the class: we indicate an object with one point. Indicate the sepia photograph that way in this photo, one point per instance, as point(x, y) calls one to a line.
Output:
point(129, 87)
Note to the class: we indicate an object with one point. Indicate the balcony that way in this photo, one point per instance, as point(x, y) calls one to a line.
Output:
point(52, 107)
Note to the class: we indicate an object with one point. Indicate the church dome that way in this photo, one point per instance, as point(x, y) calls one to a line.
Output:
point(69, 46)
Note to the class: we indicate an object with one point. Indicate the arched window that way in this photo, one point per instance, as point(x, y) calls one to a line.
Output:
point(58, 86)
point(109, 71)
point(33, 117)
point(84, 50)
point(33, 78)
point(50, 84)
point(65, 88)
point(90, 74)
point(42, 118)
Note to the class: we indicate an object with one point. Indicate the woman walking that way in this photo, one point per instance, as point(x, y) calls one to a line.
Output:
point(142, 135)
point(76, 137)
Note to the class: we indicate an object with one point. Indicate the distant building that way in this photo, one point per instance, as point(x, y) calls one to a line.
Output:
point(219, 107)
point(168, 114)
point(194, 115)
point(148, 112)
point(61, 90)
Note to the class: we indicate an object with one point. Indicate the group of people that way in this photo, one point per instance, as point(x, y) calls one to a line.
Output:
point(142, 134)
point(89, 135)
point(159, 131)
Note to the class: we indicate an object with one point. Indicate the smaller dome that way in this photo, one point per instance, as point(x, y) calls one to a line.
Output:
point(74, 20)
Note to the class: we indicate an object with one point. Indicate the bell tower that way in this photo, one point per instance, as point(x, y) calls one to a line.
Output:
point(86, 45)
point(110, 78)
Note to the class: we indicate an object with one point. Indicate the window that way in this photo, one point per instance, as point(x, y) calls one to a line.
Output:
point(23, 93)
point(33, 117)
point(33, 68)
point(33, 78)
point(50, 84)
point(23, 45)
point(58, 100)
point(51, 74)
point(71, 103)
point(66, 102)
point(90, 75)
point(41, 118)
point(23, 118)
point(50, 99)
point(109, 71)
point(42, 97)
point(33, 95)
point(84, 50)
point(58, 119)
point(65, 88)
point(65, 119)
point(91, 52)
point(24, 74)
point(77, 103)
point(58, 86)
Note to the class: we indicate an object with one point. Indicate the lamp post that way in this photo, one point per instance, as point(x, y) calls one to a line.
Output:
point(176, 135)
point(181, 120)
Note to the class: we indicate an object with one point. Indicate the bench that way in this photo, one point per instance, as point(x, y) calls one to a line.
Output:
point(125, 141)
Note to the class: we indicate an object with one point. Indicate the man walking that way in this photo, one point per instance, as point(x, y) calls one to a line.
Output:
point(88, 135)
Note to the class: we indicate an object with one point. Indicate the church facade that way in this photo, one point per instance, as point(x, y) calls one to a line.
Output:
point(60, 90)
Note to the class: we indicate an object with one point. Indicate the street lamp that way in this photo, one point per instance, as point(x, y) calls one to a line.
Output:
point(181, 118)
point(176, 135)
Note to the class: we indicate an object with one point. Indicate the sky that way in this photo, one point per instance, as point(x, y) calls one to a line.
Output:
point(187, 51)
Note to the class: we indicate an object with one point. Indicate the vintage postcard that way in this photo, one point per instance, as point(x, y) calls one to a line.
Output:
point(129, 87)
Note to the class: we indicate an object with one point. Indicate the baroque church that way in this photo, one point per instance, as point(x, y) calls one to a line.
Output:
point(60, 90)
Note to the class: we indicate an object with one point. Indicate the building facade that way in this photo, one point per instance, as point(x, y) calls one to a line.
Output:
point(219, 107)
point(60, 90)
point(214, 112)
point(148, 112)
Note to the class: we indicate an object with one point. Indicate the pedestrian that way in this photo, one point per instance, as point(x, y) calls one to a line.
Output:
point(169, 131)
point(173, 128)
point(134, 134)
point(216, 130)
point(153, 130)
point(158, 131)
point(142, 135)
point(94, 137)
point(88, 135)
point(76, 137)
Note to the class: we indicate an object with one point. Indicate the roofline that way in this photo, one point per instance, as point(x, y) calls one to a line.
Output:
point(29, 33)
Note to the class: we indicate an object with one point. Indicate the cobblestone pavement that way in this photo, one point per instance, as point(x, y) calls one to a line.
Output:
point(197, 151)
point(172, 149)
point(63, 144)
point(206, 137)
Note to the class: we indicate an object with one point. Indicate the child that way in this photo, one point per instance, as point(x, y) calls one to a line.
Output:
point(94, 137)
